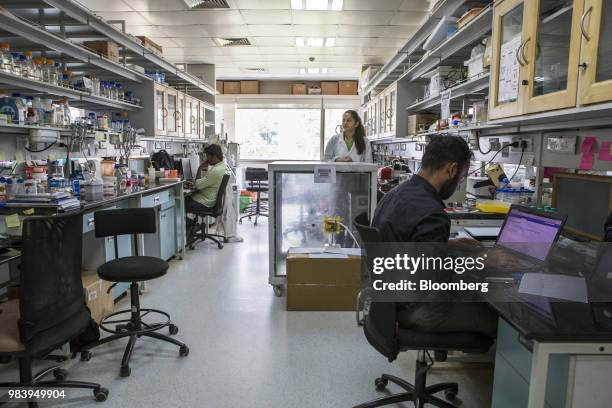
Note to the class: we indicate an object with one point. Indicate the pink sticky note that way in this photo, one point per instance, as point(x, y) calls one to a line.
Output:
point(586, 163)
point(587, 144)
point(604, 151)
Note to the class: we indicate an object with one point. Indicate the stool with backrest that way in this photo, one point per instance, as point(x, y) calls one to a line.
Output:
point(199, 232)
point(257, 179)
point(133, 269)
point(50, 311)
point(382, 331)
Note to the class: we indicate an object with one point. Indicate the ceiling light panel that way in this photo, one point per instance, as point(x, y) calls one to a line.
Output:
point(330, 42)
point(323, 5)
point(299, 41)
point(315, 42)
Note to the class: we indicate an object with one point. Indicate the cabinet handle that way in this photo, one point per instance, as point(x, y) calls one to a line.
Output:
point(164, 112)
point(90, 222)
point(177, 115)
point(582, 20)
point(518, 55)
point(523, 51)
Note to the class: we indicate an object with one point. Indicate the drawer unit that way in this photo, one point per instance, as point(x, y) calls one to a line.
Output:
point(153, 200)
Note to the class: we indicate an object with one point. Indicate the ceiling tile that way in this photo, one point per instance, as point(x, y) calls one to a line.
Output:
point(106, 5)
point(227, 31)
point(271, 30)
point(240, 50)
point(130, 18)
point(262, 4)
point(280, 51)
point(212, 17)
point(356, 42)
point(194, 42)
point(416, 5)
point(366, 17)
point(380, 5)
point(312, 30)
point(148, 30)
point(408, 18)
point(184, 31)
point(203, 51)
point(266, 16)
point(165, 42)
point(273, 41)
point(156, 5)
point(316, 17)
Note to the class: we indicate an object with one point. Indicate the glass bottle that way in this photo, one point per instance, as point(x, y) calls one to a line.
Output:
point(39, 108)
point(50, 65)
point(17, 67)
point(6, 58)
point(44, 70)
point(28, 65)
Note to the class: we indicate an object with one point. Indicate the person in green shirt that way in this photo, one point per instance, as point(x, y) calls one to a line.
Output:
point(207, 186)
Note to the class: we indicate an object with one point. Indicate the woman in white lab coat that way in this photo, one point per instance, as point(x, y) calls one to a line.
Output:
point(352, 145)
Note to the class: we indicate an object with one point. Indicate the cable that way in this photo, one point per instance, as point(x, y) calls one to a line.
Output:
point(478, 143)
point(519, 165)
point(494, 156)
point(350, 233)
point(38, 151)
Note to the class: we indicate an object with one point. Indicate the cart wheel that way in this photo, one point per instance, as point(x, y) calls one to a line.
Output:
point(278, 290)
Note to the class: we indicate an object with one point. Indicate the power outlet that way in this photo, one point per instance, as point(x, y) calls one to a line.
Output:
point(522, 140)
point(505, 152)
point(494, 144)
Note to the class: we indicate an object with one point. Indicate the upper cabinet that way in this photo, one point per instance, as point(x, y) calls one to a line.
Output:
point(379, 115)
point(542, 51)
point(596, 60)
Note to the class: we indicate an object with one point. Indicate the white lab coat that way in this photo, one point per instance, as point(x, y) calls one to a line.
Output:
point(336, 147)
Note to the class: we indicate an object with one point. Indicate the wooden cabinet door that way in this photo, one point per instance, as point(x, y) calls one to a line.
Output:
point(180, 115)
point(551, 52)
point(161, 110)
point(172, 109)
point(596, 60)
point(507, 66)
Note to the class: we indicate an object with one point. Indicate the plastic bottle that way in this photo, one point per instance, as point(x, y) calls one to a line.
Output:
point(28, 65)
point(17, 67)
point(30, 186)
point(44, 70)
point(58, 73)
point(9, 188)
point(151, 173)
point(67, 118)
point(49, 118)
point(39, 107)
point(31, 118)
point(21, 110)
point(38, 69)
point(6, 58)
point(50, 65)
point(2, 189)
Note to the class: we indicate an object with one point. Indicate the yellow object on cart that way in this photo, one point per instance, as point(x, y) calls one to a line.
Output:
point(493, 206)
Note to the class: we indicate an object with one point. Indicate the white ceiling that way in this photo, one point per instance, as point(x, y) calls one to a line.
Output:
point(366, 32)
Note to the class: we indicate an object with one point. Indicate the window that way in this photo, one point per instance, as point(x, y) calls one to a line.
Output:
point(279, 134)
point(333, 123)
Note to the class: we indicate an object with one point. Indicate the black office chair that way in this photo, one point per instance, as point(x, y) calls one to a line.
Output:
point(132, 269)
point(257, 179)
point(383, 333)
point(51, 308)
point(199, 232)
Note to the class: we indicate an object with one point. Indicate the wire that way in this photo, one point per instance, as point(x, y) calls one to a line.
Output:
point(38, 151)
point(350, 233)
point(478, 142)
point(494, 156)
point(519, 165)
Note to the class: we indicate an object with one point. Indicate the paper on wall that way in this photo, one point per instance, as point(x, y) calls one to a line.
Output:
point(445, 98)
point(509, 70)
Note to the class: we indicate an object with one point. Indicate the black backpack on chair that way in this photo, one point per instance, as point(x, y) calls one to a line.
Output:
point(162, 160)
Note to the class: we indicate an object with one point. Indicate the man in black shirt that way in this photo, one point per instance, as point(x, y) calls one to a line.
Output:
point(414, 212)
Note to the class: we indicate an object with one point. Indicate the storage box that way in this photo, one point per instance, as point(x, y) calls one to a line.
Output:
point(150, 45)
point(99, 302)
point(231, 87)
point(468, 16)
point(475, 65)
point(298, 89)
point(107, 48)
point(249, 87)
point(420, 122)
point(314, 90)
point(323, 283)
point(329, 88)
point(219, 87)
point(347, 87)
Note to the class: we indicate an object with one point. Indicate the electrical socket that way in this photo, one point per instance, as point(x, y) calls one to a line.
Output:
point(505, 152)
point(519, 140)
point(494, 144)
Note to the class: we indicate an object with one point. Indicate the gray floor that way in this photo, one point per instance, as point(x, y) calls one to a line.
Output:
point(246, 350)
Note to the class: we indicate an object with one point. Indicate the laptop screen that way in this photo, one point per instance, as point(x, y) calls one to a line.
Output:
point(530, 234)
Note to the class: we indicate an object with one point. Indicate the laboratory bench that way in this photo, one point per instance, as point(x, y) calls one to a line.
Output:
point(167, 242)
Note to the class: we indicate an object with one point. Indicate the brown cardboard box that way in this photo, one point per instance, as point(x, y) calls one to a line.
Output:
point(322, 283)
point(107, 48)
point(329, 88)
point(420, 121)
point(249, 87)
point(150, 45)
point(298, 89)
point(314, 90)
point(99, 302)
point(231, 87)
point(219, 87)
point(347, 87)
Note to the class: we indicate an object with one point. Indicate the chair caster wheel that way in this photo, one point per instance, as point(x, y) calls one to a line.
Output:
point(278, 290)
point(184, 351)
point(225, 240)
point(60, 374)
point(101, 394)
point(125, 371)
point(85, 355)
point(220, 246)
point(450, 394)
point(120, 327)
point(173, 329)
point(380, 384)
point(240, 222)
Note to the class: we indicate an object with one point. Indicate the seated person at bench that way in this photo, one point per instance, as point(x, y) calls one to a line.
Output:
point(207, 186)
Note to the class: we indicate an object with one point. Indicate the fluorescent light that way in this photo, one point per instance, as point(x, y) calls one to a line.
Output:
point(302, 70)
point(337, 5)
point(330, 41)
point(316, 4)
point(314, 70)
point(296, 4)
point(193, 3)
point(315, 41)
point(324, 70)
point(299, 41)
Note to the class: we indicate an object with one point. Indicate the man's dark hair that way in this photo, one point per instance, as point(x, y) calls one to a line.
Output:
point(214, 150)
point(445, 149)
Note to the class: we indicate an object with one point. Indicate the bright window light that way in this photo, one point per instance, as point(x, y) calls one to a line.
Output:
point(316, 4)
point(337, 5)
point(324, 70)
point(315, 42)
point(296, 4)
point(299, 41)
point(314, 70)
point(330, 41)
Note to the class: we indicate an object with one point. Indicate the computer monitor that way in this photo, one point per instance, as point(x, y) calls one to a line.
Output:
point(530, 232)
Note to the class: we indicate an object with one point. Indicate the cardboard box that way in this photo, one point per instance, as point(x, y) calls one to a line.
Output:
point(347, 87)
point(150, 45)
point(99, 302)
point(329, 88)
point(231, 87)
point(314, 90)
point(219, 87)
point(249, 87)
point(298, 89)
point(322, 283)
point(420, 122)
point(107, 48)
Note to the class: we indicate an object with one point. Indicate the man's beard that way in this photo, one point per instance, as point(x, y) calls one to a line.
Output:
point(449, 187)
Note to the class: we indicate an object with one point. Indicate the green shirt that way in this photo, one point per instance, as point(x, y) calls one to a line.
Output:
point(349, 145)
point(208, 186)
